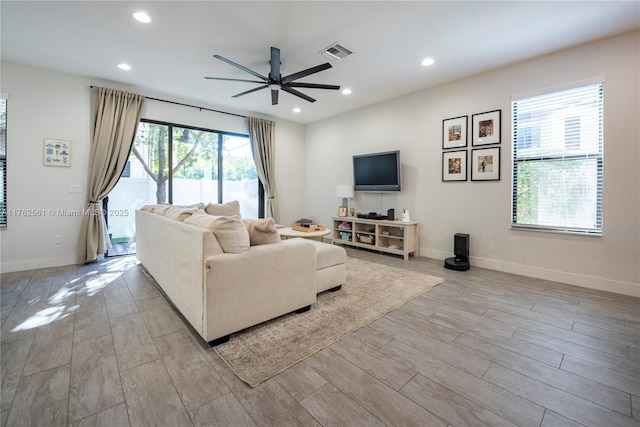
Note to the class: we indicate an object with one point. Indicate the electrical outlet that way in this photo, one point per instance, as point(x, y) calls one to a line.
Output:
point(58, 239)
point(74, 188)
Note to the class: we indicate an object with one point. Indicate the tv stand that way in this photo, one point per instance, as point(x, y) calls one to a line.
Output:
point(394, 237)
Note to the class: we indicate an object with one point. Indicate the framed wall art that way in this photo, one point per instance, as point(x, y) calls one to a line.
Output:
point(485, 164)
point(485, 128)
point(454, 132)
point(454, 165)
point(56, 152)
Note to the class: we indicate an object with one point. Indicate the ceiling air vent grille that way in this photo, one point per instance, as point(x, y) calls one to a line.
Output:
point(336, 51)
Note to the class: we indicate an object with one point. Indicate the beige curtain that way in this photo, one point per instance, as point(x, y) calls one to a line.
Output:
point(116, 115)
point(263, 144)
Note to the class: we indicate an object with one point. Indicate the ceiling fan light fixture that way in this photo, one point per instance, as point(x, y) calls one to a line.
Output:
point(274, 86)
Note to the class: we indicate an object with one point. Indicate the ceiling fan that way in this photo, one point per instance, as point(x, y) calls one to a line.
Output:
point(275, 81)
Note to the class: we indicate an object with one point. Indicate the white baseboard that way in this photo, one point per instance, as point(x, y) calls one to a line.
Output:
point(591, 282)
point(32, 264)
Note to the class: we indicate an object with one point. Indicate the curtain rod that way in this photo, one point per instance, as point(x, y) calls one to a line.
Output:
point(192, 106)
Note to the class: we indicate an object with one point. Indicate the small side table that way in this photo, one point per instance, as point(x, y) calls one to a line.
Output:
point(288, 232)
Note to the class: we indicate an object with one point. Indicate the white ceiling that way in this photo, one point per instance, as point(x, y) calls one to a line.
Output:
point(173, 53)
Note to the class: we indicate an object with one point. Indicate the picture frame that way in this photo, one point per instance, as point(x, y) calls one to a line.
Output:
point(352, 212)
point(56, 152)
point(342, 211)
point(485, 164)
point(454, 132)
point(454, 165)
point(486, 128)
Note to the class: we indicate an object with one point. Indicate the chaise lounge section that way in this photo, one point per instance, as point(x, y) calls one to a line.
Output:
point(219, 281)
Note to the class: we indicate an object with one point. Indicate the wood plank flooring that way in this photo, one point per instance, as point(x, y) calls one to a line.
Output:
point(98, 345)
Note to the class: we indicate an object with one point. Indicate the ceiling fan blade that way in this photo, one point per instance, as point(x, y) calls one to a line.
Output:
point(275, 64)
point(245, 69)
point(233, 80)
point(313, 86)
point(252, 90)
point(274, 96)
point(304, 73)
point(299, 94)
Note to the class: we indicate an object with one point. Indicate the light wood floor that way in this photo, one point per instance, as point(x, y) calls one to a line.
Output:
point(99, 345)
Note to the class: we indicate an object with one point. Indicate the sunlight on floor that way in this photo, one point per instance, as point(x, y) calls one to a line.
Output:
point(91, 282)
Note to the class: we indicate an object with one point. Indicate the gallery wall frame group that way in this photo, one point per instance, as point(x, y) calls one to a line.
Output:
point(482, 163)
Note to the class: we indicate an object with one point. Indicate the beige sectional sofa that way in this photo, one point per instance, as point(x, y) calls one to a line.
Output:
point(221, 279)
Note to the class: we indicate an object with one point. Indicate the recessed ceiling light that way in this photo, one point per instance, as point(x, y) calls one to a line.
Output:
point(296, 110)
point(346, 91)
point(427, 61)
point(124, 66)
point(142, 17)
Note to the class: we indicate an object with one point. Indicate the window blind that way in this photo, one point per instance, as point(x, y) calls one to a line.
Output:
point(557, 160)
point(3, 160)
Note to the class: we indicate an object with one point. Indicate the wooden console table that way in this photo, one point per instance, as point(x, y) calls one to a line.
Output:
point(395, 237)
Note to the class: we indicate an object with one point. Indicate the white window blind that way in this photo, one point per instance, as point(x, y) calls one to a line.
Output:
point(557, 160)
point(3, 160)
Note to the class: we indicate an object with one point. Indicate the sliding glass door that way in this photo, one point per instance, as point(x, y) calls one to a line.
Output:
point(181, 165)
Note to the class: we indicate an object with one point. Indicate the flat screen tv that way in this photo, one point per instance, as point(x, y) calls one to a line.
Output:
point(377, 172)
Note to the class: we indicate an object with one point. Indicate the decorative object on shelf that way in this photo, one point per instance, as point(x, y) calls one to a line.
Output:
point(344, 226)
point(454, 165)
point(454, 132)
point(485, 128)
point(365, 238)
point(346, 192)
point(485, 164)
point(352, 211)
point(406, 215)
point(342, 211)
point(56, 152)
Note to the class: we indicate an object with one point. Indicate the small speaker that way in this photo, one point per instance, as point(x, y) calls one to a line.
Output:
point(391, 214)
point(461, 246)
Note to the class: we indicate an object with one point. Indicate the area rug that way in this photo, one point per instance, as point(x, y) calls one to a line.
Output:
point(372, 290)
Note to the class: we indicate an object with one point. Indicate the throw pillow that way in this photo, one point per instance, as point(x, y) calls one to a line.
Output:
point(230, 231)
point(161, 209)
point(195, 205)
point(224, 209)
point(179, 213)
point(262, 231)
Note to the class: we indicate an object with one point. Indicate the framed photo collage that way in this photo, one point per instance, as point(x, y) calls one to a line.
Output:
point(484, 161)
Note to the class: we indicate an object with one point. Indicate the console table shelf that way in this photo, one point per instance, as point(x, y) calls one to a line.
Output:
point(395, 237)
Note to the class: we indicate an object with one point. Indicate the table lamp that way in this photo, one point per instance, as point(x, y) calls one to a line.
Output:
point(346, 192)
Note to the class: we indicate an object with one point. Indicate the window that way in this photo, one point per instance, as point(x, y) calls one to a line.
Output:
point(182, 165)
point(3, 161)
point(189, 165)
point(557, 160)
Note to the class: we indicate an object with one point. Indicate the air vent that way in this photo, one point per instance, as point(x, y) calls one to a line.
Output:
point(336, 51)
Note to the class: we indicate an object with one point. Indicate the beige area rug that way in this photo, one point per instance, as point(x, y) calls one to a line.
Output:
point(372, 290)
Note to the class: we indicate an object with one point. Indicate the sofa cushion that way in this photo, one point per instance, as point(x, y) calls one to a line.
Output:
point(328, 255)
point(223, 209)
point(179, 213)
point(262, 231)
point(160, 208)
point(230, 231)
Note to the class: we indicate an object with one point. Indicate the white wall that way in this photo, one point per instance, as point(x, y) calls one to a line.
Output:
point(46, 104)
point(413, 124)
